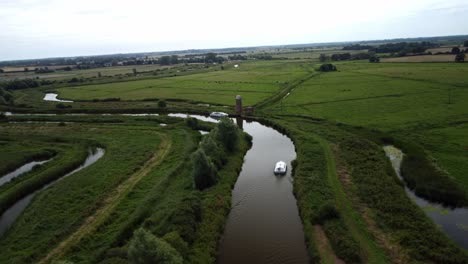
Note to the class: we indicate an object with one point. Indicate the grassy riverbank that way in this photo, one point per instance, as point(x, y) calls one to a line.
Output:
point(379, 216)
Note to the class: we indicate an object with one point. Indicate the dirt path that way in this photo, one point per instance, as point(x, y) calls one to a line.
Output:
point(109, 204)
point(323, 245)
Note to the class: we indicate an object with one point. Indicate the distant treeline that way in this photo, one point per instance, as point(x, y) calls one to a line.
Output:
point(402, 48)
point(23, 84)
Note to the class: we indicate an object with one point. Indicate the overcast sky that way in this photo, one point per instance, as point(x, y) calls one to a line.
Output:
point(51, 28)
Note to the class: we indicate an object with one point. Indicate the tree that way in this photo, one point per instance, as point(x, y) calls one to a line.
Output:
point(174, 59)
point(162, 104)
point(327, 67)
point(374, 59)
point(146, 248)
point(165, 60)
point(213, 150)
point(323, 58)
point(227, 134)
point(465, 44)
point(455, 50)
point(210, 57)
point(204, 171)
point(460, 57)
point(26, 69)
point(99, 75)
point(134, 71)
point(1, 71)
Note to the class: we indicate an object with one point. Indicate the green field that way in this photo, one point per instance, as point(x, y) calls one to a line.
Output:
point(256, 81)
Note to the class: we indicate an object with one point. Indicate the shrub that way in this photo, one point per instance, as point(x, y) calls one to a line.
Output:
point(145, 248)
point(62, 106)
point(204, 172)
point(162, 104)
point(213, 150)
point(192, 123)
point(327, 67)
point(174, 239)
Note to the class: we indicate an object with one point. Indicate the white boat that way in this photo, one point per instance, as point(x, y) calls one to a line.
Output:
point(280, 168)
point(218, 114)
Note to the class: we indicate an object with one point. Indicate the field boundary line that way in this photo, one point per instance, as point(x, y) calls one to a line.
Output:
point(92, 222)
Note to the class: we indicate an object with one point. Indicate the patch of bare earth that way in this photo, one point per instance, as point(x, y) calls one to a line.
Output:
point(393, 250)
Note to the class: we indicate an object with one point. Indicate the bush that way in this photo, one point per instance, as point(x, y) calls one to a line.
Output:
point(192, 123)
point(204, 172)
point(460, 57)
point(162, 104)
point(145, 248)
point(174, 239)
point(213, 150)
point(374, 59)
point(62, 106)
point(327, 67)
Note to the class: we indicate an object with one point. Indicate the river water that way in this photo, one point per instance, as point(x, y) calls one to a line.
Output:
point(52, 97)
point(12, 213)
point(20, 171)
point(264, 225)
point(452, 221)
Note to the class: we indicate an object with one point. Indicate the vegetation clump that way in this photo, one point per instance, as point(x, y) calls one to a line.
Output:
point(460, 57)
point(327, 67)
point(210, 156)
point(145, 248)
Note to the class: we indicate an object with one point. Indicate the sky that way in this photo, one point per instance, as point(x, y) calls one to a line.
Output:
point(60, 28)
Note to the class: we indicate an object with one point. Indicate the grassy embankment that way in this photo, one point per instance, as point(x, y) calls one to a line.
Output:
point(374, 216)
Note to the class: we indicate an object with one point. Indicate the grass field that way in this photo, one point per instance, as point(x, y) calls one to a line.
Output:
point(422, 58)
point(88, 73)
point(392, 97)
point(256, 81)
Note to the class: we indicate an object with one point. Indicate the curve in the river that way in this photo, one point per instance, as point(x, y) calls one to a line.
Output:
point(10, 215)
point(452, 221)
point(21, 170)
point(264, 224)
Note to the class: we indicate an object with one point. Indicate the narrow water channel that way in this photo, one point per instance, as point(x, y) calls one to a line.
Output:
point(264, 225)
point(10, 215)
point(452, 221)
point(20, 171)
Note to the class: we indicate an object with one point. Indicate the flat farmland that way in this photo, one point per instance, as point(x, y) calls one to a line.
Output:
point(386, 96)
point(88, 73)
point(423, 58)
point(256, 81)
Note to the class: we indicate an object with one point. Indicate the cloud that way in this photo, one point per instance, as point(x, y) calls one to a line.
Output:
point(42, 28)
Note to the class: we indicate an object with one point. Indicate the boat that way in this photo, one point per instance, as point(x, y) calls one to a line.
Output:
point(218, 114)
point(280, 168)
